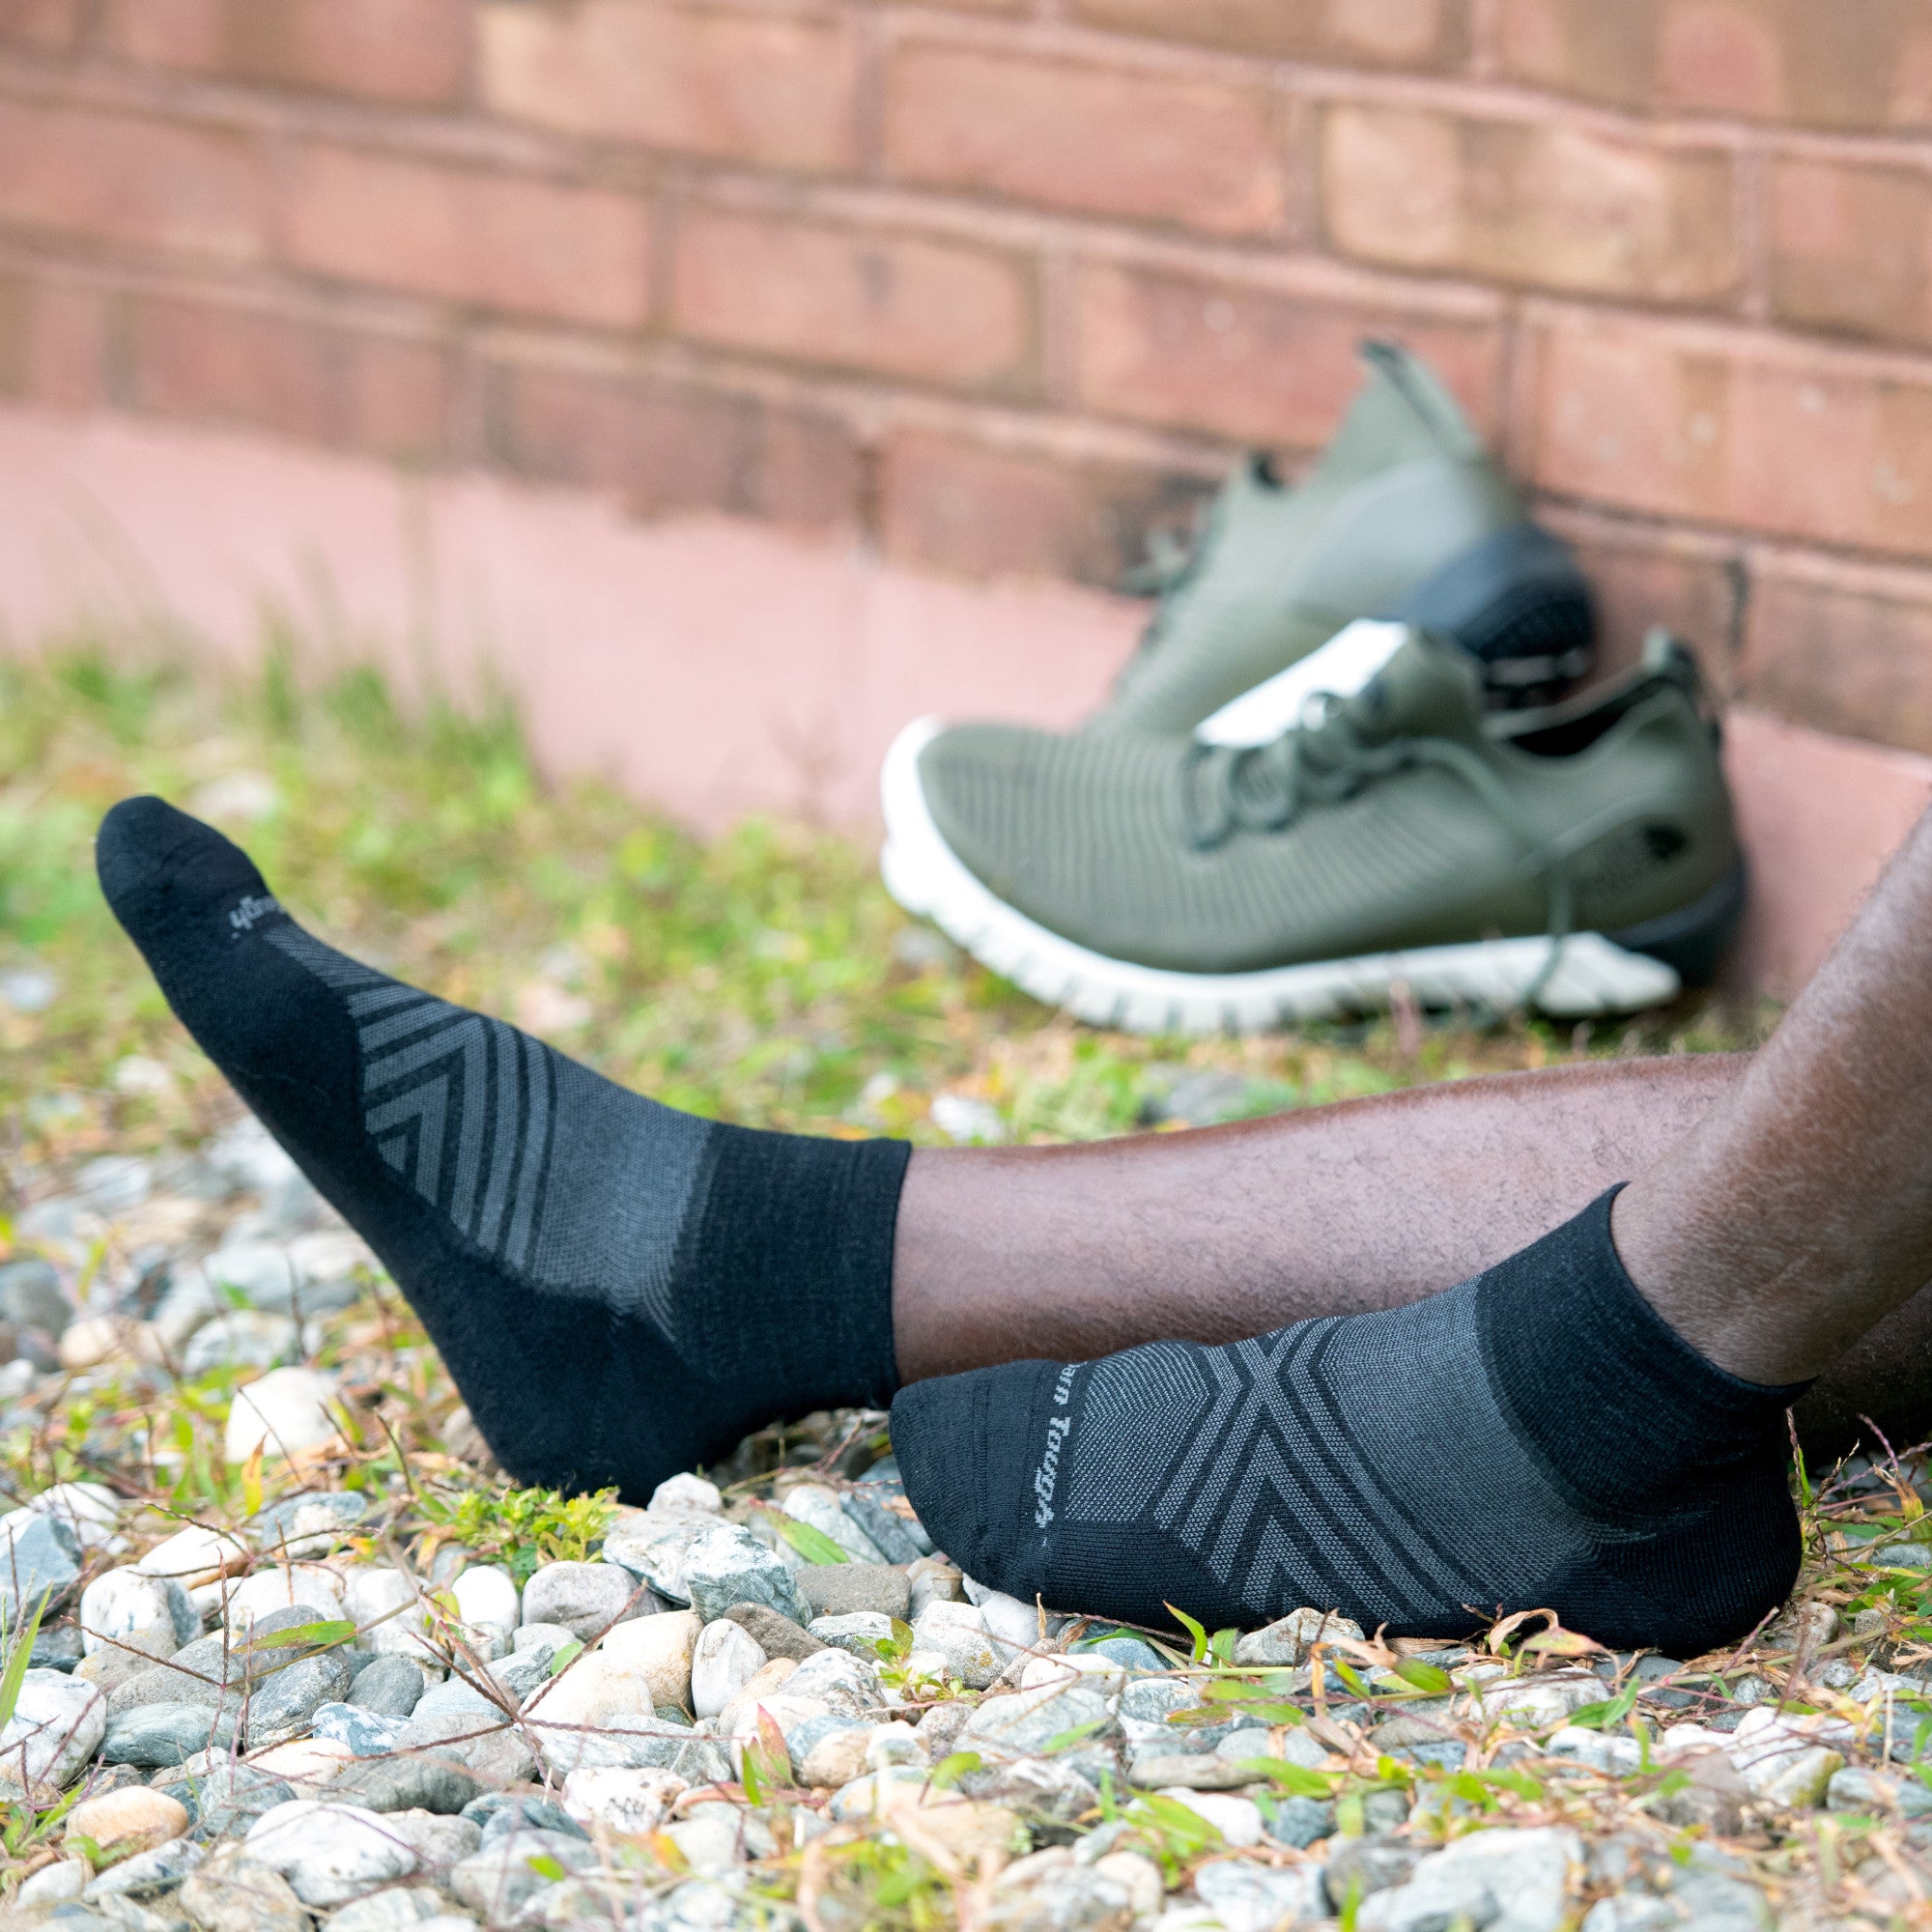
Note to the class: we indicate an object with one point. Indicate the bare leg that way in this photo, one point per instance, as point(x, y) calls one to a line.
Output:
point(1798, 1214)
point(1069, 1252)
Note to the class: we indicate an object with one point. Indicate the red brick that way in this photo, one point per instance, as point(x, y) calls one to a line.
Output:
point(1424, 34)
point(1643, 575)
point(209, 363)
point(1733, 430)
point(1071, 134)
point(498, 241)
point(67, 346)
point(1540, 202)
point(113, 178)
point(770, 88)
point(955, 504)
point(1848, 248)
point(1843, 650)
point(1259, 364)
point(214, 362)
point(668, 447)
point(1864, 64)
point(907, 305)
point(415, 51)
point(44, 27)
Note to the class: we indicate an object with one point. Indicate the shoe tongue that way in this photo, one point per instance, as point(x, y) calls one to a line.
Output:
point(1402, 414)
point(1426, 689)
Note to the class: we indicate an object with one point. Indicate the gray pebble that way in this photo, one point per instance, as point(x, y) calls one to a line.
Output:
point(501, 1813)
point(727, 1565)
point(841, 1589)
point(426, 1783)
point(366, 1733)
point(280, 1706)
point(164, 1734)
point(774, 1634)
point(31, 1298)
point(1300, 1822)
point(389, 1686)
point(36, 1556)
point(585, 1597)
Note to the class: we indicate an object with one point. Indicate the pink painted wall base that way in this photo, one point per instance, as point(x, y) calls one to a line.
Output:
point(709, 666)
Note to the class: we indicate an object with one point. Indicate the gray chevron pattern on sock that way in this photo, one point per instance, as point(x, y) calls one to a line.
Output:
point(1311, 1465)
point(562, 1176)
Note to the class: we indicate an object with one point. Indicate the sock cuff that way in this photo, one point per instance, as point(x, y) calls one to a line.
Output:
point(812, 1221)
point(1620, 1410)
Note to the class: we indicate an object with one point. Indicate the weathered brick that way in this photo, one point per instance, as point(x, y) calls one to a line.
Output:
point(1541, 202)
point(958, 504)
point(1721, 428)
point(938, 311)
point(1848, 248)
point(209, 361)
point(766, 88)
point(1259, 363)
point(1843, 649)
point(1427, 34)
point(44, 27)
point(499, 240)
point(67, 345)
point(1867, 65)
point(115, 178)
point(397, 50)
point(668, 447)
point(15, 323)
point(1643, 575)
point(1073, 135)
point(212, 363)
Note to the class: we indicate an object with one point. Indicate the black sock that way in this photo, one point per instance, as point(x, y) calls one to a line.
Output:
point(1537, 1437)
point(620, 1291)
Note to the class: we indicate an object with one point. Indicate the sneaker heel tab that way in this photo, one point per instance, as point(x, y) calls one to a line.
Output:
point(1422, 391)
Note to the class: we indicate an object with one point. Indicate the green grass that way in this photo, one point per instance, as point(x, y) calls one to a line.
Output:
point(763, 976)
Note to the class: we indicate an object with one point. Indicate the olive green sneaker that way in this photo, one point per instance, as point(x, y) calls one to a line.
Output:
point(1404, 517)
point(1581, 860)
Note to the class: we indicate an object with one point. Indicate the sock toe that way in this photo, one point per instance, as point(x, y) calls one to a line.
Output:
point(154, 863)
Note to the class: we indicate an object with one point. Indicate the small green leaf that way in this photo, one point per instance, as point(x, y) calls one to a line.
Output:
point(332, 1629)
point(949, 1771)
point(1296, 1779)
point(1607, 1717)
point(567, 1653)
point(1066, 1739)
point(1196, 1631)
point(19, 1658)
point(1221, 1646)
point(546, 1866)
point(813, 1545)
point(1430, 1677)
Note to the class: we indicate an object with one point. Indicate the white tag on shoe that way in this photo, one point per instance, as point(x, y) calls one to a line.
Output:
point(1341, 666)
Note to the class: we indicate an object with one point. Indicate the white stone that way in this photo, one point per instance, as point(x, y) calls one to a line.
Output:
point(1062, 1670)
point(195, 1557)
point(1251, 1898)
point(259, 1273)
point(1140, 1878)
point(242, 1338)
point(488, 1605)
point(95, 1338)
point(957, 1631)
point(686, 1496)
point(815, 1504)
point(712, 1838)
point(55, 1884)
point(329, 1853)
point(57, 1725)
point(659, 1650)
point(1607, 1751)
point(622, 1801)
point(651, 1544)
point(383, 1605)
point(1238, 1820)
point(725, 1661)
point(306, 1763)
point(1784, 1758)
point(1531, 1703)
point(281, 1589)
point(127, 1610)
point(1284, 1644)
point(858, 1632)
point(328, 1255)
point(1503, 1880)
point(1010, 1622)
point(287, 1411)
point(846, 1684)
point(91, 1510)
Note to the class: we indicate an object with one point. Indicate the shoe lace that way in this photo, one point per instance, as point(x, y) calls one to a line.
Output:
point(1325, 761)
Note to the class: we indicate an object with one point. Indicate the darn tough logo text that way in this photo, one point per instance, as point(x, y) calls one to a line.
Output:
point(257, 905)
point(1048, 1473)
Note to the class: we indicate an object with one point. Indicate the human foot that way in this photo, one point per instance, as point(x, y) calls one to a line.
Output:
point(620, 1291)
point(1537, 1437)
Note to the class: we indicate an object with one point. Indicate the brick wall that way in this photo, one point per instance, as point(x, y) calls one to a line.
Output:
point(1000, 283)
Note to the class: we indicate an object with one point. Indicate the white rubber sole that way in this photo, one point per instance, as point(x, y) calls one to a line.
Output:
point(1591, 976)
